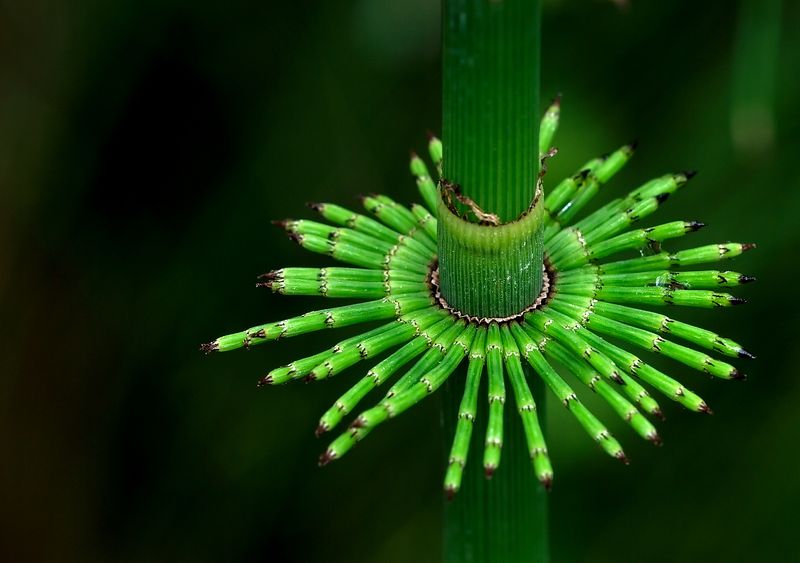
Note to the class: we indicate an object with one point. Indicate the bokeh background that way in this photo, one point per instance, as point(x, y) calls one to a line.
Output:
point(144, 147)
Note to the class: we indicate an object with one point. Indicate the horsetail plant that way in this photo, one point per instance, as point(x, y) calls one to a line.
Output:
point(535, 286)
point(582, 301)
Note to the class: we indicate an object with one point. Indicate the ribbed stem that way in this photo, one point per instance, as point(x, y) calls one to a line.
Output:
point(490, 137)
point(488, 271)
point(491, 101)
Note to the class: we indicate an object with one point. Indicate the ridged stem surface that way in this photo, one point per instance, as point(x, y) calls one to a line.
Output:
point(490, 271)
point(490, 135)
point(491, 101)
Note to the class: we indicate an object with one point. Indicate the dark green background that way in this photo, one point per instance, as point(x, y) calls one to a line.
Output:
point(144, 147)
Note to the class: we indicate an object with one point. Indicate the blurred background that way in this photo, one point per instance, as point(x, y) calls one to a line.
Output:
point(144, 147)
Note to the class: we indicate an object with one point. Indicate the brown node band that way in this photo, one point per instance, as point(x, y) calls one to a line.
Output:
point(450, 190)
point(548, 277)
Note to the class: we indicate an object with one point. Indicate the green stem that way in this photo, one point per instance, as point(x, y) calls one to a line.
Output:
point(488, 271)
point(490, 136)
point(491, 101)
point(491, 150)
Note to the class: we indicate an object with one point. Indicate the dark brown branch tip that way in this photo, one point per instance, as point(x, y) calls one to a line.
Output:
point(547, 482)
point(704, 408)
point(326, 457)
point(746, 279)
point(748, 246)
point(318, 207)
point(696, 225)
point(737, 300)
point(659, 414)
point(655, 439)
point(689, 174)
point(450, 492)
point(620, 455)
point(321, 429)
point(488, 471)
point(209, 347)
point(281, 223)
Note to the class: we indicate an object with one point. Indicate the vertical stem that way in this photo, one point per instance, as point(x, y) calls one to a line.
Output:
point(491, 149)
point(491, 101)
point(491, 271)
point(490, 136)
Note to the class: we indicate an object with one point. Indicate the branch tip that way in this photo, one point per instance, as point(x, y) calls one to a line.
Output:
point(327, 456)
point(742, 353)
point(209, 347)
point(704, 408)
